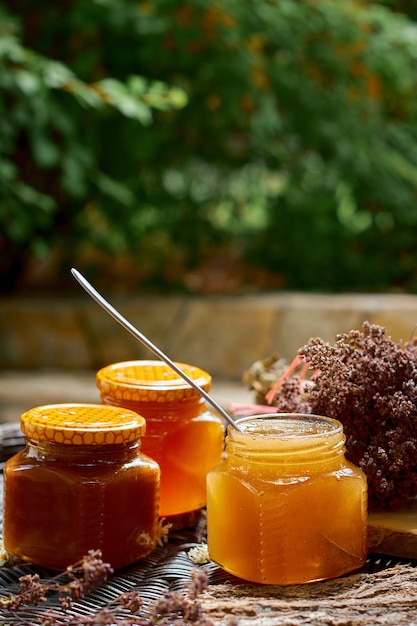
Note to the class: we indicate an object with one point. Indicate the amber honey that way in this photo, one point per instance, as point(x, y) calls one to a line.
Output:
point(286, 506)
point(81, 484)
point(182, 434)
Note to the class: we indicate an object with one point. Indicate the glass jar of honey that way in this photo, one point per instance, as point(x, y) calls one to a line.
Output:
point(286, 507)
point(80, 484)
point(183, 435)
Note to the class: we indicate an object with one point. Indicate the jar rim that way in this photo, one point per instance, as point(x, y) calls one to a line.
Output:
point(82, 424)
point(288, 425)
point(290, 435)
point(142, 379)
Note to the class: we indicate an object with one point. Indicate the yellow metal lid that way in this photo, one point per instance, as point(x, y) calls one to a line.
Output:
point(150, 381)
point(82, 424)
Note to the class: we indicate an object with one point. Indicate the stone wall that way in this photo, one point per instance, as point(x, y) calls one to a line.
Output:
point(223, 335)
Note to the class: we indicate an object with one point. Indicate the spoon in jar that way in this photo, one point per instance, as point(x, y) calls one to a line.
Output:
point(152, 347)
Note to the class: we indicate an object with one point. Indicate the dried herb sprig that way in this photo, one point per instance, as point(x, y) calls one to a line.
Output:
point(173, 608)
point(178, 608)
point(71, 584)
point(369, 383)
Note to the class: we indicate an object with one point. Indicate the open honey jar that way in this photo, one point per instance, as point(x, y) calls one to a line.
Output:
point(183, 435)
point(81, 484)
point(285, 506)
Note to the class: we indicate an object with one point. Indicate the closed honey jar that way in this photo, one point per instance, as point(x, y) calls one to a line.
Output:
point(183, 435)
point(286, 507)
point(81, 483)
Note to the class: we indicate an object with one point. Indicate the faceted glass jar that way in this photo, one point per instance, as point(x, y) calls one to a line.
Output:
point(81, 484)
point(286, 507)
point(183, 435)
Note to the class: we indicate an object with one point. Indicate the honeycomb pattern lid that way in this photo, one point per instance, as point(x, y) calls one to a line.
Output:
point(150, 381)
point(82, 424)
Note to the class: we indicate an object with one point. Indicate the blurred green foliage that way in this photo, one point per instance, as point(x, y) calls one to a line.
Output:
point(280, 133)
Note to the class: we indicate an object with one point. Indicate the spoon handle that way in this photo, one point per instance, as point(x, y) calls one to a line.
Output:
point(152, 347)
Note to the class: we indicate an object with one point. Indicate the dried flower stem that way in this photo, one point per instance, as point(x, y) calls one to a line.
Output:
point(291, 369)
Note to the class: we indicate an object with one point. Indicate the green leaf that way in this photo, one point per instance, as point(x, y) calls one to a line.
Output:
point(118, 95)
point(114, 190)
point(45, 152)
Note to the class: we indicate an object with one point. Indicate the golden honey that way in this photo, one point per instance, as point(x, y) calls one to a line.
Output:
point(183, 435)
point(286, 507)
point(81, 484)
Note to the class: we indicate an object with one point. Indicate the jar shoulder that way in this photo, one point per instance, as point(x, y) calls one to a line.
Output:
point(25, 462)
point(210, 416)
point(342, 469)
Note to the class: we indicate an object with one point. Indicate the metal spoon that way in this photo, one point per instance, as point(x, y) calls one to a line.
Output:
point(138, 335)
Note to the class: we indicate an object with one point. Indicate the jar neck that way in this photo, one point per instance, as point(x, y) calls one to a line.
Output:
point(287, 440)
point(82, 454)
point(181, 409)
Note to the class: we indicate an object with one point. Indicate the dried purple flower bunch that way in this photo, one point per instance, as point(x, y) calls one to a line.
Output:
point(369, 383)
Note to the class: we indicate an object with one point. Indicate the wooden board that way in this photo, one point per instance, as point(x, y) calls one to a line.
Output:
point(394, 533)
point(384, 598)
